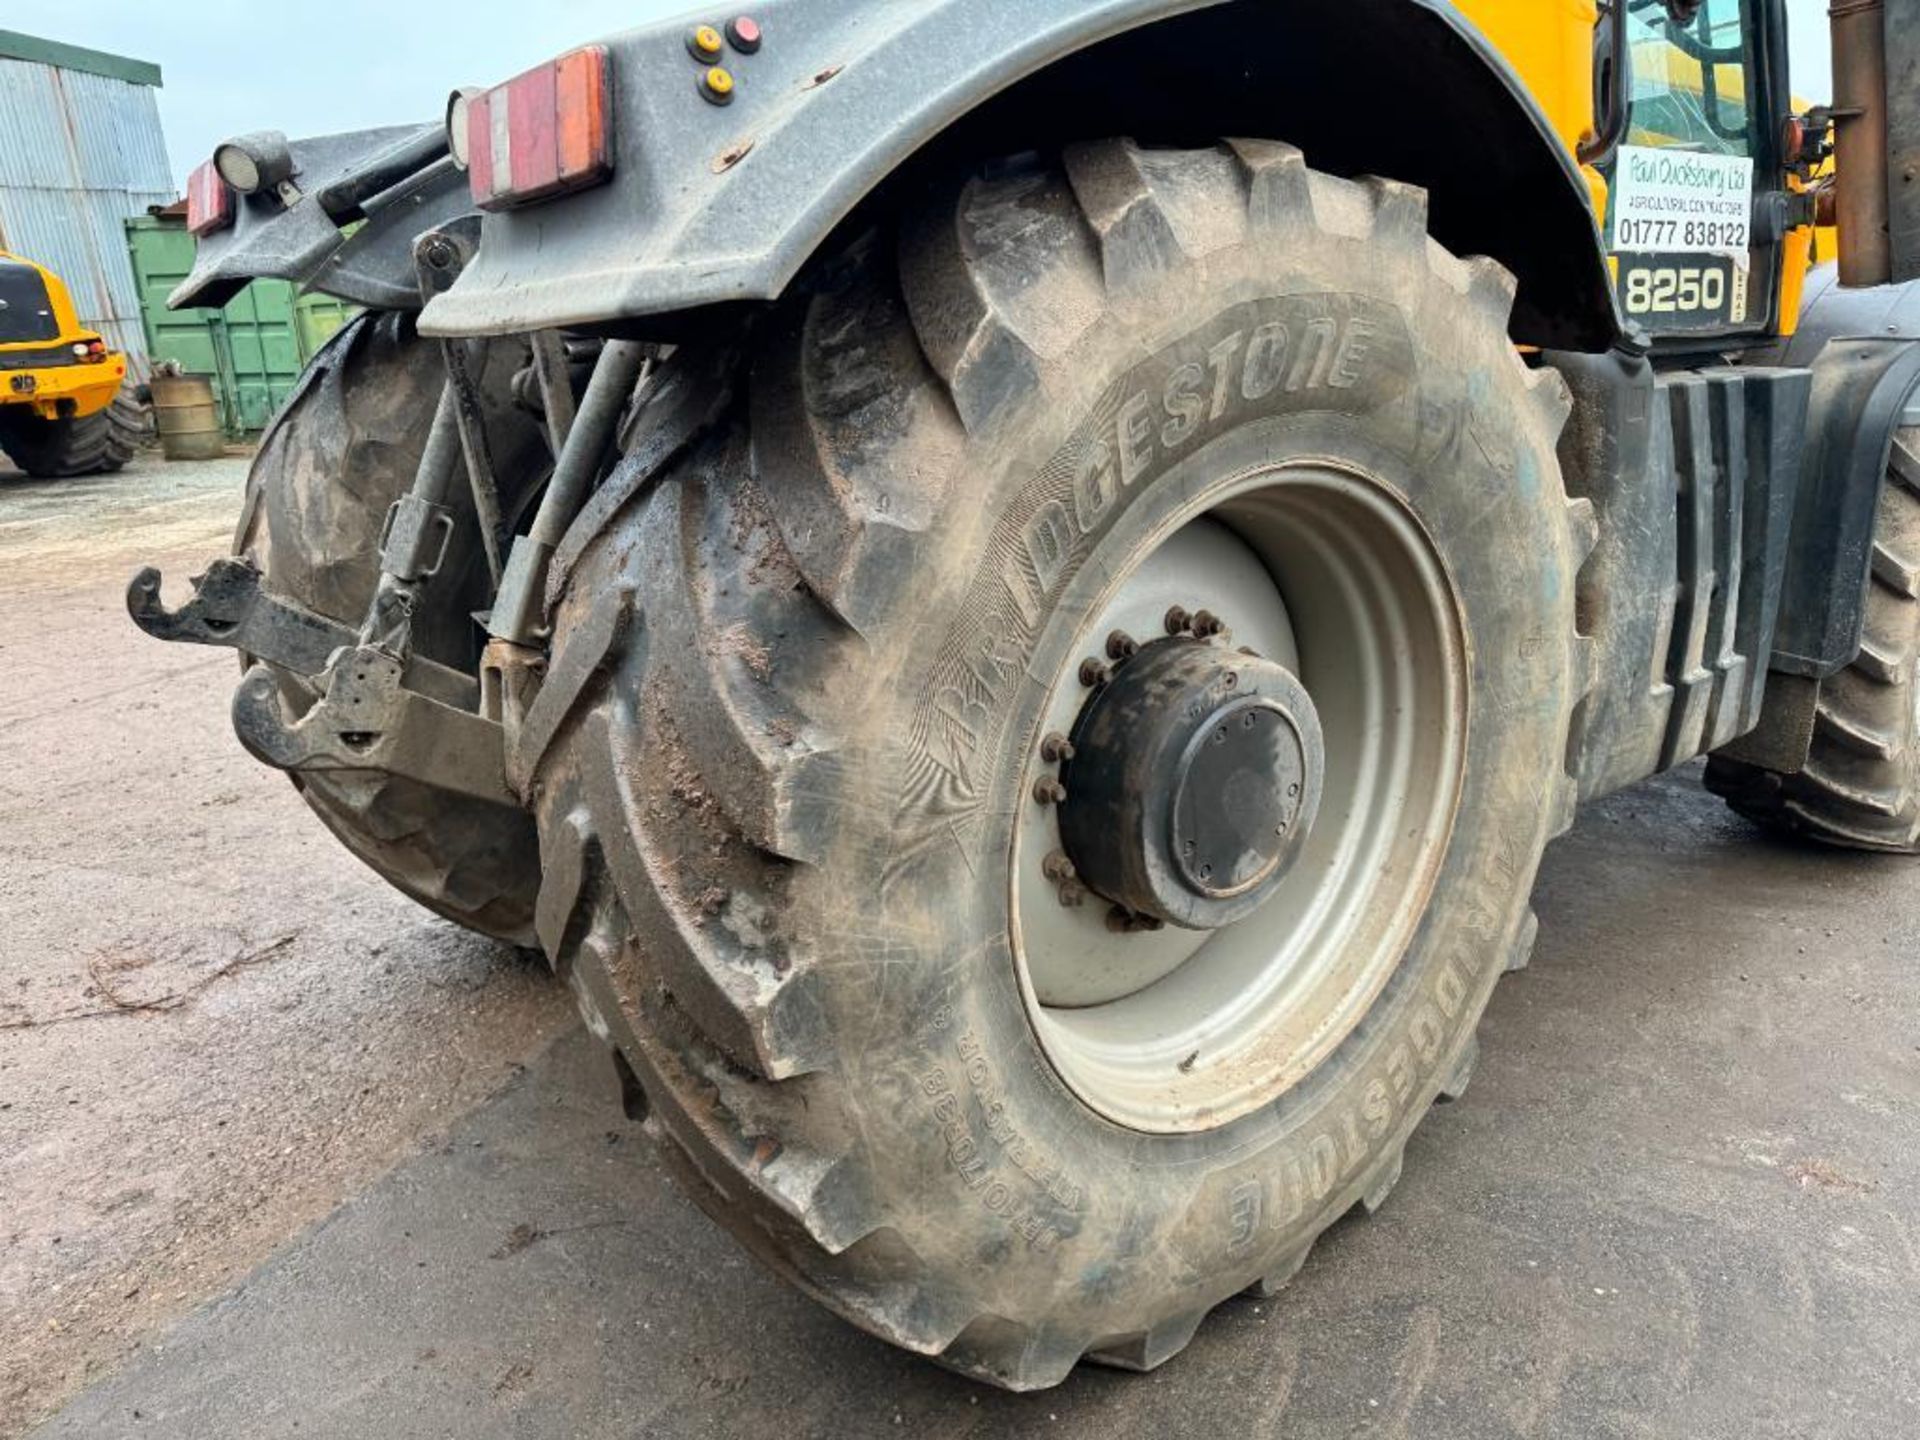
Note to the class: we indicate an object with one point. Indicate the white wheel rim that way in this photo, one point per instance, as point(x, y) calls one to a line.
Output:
point(1330, 575)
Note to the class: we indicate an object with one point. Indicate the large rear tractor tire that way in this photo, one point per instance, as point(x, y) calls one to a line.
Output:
point(1054, 774)
point(1860, 785)
point(342, 449)
point(96, 444)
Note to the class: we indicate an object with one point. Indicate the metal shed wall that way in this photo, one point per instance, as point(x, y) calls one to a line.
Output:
point(80, 152)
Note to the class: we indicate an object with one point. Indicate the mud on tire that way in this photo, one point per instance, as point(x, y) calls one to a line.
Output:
point(1860, 786)
point(341, 450)
point(775, 829)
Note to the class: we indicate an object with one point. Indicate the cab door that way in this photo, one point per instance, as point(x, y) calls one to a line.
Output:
point(1697, 209)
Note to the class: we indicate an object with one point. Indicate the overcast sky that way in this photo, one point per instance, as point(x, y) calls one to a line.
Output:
point(308, 67)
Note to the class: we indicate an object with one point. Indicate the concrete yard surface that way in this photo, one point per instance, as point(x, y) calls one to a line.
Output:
point(321, 1196)
point(215, 1024)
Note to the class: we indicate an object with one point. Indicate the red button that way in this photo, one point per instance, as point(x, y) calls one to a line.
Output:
point(744, 33)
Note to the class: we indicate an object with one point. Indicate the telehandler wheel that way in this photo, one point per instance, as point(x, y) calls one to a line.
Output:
point(95, 444)
point(342, 449)
point(1860, 787)
point(1071, 747)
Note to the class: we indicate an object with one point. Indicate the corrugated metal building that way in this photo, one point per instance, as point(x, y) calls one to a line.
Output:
point(81, 150)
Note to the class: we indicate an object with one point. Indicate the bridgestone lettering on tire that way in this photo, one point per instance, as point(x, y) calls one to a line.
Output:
point(776, 832)
point(1860, 786)
point(342, 449)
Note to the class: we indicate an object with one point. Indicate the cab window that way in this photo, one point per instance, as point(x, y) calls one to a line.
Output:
point(1689, 77)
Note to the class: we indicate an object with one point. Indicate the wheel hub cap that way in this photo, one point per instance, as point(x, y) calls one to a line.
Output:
point(1195, 780)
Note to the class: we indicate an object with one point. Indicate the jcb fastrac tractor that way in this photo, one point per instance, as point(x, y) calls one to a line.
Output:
point(63, 410)
point(1045, 572)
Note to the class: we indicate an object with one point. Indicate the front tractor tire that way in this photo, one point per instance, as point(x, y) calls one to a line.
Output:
point(1860, 785)
point(98, 444)
point(336, 456)
point(1066, 753)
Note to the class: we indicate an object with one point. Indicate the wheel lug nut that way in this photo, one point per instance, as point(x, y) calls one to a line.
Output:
point(1122, 921)
point(1072, 895)
point(1058, 867)
point(1121, 646)
point(1178, 620)
point(1049, 791)
point(1094, 672)
point(1206, 623)
point(1055, 747)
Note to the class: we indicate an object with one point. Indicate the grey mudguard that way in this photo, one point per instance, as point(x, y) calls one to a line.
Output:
point(1863, 347)
point(362, 198)
point(713, 203)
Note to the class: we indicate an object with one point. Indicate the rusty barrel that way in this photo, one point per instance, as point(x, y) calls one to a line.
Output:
point(187, 417)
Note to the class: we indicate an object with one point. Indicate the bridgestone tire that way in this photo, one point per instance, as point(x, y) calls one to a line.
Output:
point(340, 451)
point(776, 827)
point(95, 444)
point(1860, 786)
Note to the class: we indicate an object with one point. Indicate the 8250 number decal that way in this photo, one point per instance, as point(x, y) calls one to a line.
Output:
point(1682, 292)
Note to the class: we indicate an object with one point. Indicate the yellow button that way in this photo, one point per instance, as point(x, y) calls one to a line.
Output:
point(704, 42)
point(719, 81)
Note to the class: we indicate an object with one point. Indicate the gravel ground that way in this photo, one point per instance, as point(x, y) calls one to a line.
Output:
point(214, 1023)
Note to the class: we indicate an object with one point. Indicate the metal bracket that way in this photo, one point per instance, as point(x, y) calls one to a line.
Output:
point(535, 708)
point(519, 610)
point(439, 258)
point(414, 539)
point(229, 608)
point(553, 373)
point(368, 721)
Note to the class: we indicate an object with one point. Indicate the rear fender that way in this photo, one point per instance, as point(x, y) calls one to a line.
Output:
point(710, 204)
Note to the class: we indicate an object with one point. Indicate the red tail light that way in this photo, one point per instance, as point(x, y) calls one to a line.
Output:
point(541, 134)
point(209, 201)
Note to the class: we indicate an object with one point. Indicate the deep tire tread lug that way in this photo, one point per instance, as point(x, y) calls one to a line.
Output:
point(1399, 213)
point(768, 767)
point(1379, 1185)
point(1136, 237)
point(1149, 1349)
point(846, 421)
point(1520, 951)
point(1460, 1074)
point(1279, 193)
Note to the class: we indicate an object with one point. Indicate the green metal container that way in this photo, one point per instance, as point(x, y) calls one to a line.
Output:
point(252, 350)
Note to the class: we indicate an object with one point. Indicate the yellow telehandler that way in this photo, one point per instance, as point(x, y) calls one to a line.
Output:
point(64, 409)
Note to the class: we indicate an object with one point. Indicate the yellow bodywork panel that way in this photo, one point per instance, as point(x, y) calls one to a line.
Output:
point(67, 386)
point(1549, 43)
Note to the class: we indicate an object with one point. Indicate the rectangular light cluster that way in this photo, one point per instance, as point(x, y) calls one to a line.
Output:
point(209, 201)
point(541, 134)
